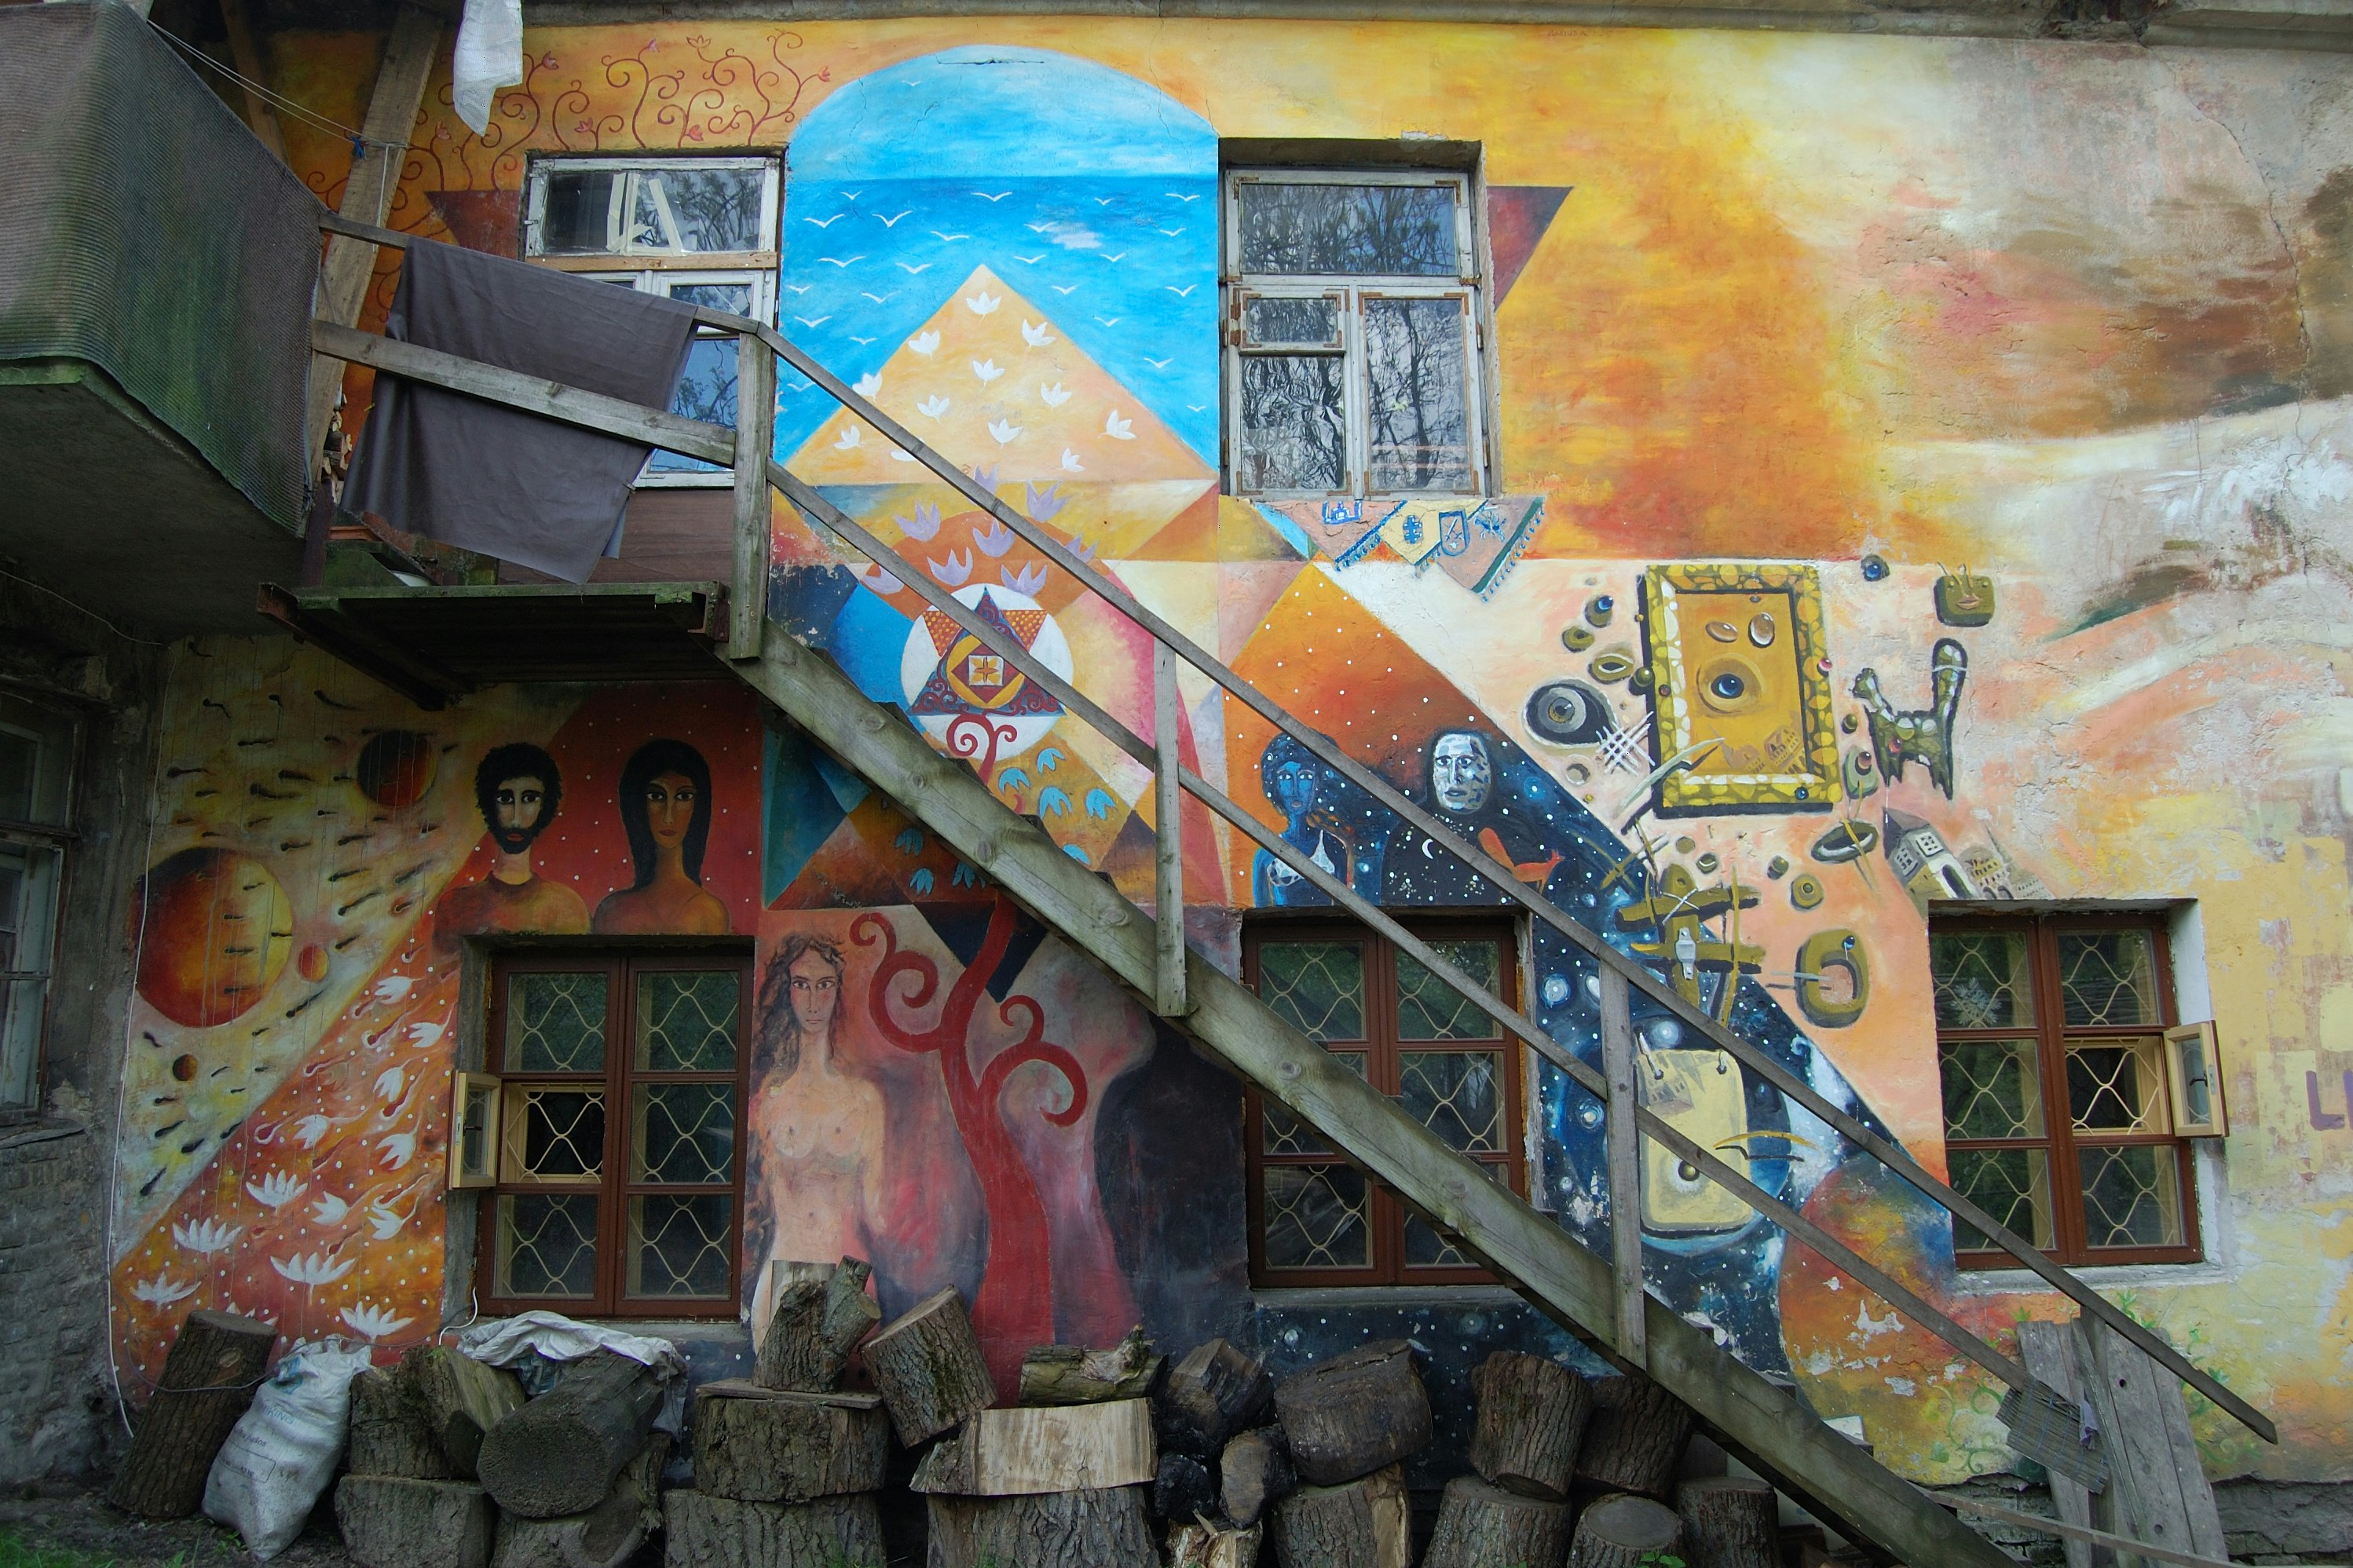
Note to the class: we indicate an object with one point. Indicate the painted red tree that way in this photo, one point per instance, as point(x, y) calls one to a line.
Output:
point(1015, 1309)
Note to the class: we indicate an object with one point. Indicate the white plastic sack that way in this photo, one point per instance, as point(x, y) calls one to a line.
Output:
point(284, 1449)
point(488, 57)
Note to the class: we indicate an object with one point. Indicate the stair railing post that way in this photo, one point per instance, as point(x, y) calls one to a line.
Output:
point(755, 424)
point(1625, 1161)
point(1167, 793)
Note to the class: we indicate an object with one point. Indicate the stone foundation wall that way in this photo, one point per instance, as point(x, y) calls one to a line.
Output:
point(55, 1407)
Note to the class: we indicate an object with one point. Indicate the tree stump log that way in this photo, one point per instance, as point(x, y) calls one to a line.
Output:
point(786, 1448)
point(1634, 1441)
point(705, 1531)
point(1254, 1474)
point(606, 1536)
point(390, 1435)
point(1729, 1522)
point(215, 1363)
point(1182, 1489)
point(462, 1399)
point(819, 1319)
point(1483, 1526)
point(1532, 1417)
point(1355, 1414)
point(1052, 1448)
point(929, 1367)
point(398, 1522)
point(1198, 1545)
point(1368, 1523)
point(558, 1454)
point(1620, 1531)
point(1215, 1392)
point(1073, 1374)
point(1101, 1528)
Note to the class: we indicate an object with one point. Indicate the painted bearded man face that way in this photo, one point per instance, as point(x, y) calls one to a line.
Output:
point(1460, 778)
point(515, 807)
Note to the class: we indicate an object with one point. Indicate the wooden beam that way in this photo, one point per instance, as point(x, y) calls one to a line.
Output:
point(408, 56)
point(1168, 835)
point(1623, 1141)
point(755, 424)
point(2084, 1534)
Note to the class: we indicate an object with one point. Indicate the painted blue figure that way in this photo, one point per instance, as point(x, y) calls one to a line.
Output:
point(1329, 820)
point(1461, 788)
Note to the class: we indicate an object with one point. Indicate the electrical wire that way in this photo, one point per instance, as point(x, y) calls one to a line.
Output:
point(358, 138)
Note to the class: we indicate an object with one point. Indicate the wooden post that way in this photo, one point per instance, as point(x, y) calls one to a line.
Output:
point(462, 1400)
point(1729, 1522)
point(2157, 1490)
point(1167, 796)
point(1075, 1374)
point(1634, 1440)
point(1532, 1419)
point(788, 1448)
point(2049, 1350)
point(702, 1531)
point(817, 1320)
point(1625, 1159)
point(209, 1376)
point(1105, 1527)
point(755, 424)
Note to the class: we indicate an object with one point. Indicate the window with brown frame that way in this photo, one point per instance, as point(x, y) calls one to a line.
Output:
point(1316, 1219)
point(629, 1215)
point(2052, 1048)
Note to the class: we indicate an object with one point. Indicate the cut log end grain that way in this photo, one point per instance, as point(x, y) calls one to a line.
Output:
point(1254, 1474)
point(1073, 1374)
point(929, 1368)
point(1729, 1522)
point(1355, 1414)
point(1213, 1393)
point(1634, 1441)
point(1532, 1419)
point(1483, 1526)
point(462, 1400)
point(399, 1522)
point(788, 1448)
point(705, 1531)
point(822, 1313)
point(1624, 1531)
point(216, 1362)
point(390, 1435)
point(1181, 1490)
point(1198, 1545)
point(1103, 1528)
point(558, 1454)
point(1367, 1523)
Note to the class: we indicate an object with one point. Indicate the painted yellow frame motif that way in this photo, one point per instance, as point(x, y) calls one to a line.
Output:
point(1810, 778)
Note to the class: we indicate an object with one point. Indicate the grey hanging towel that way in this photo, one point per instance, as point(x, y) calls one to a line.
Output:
point(531, 491)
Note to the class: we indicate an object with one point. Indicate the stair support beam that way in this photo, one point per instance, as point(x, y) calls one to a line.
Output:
point(1623, 1144)
point(1168, 837)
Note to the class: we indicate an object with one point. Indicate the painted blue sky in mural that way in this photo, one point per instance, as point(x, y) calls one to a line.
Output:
point(1091, 193)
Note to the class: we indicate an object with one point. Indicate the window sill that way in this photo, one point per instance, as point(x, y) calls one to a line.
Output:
point(18, 1128)
point(2102, 1277)
point(1315, 1297)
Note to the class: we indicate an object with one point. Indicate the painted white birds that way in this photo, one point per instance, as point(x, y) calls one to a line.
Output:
point(913, 269)
point(1174, 196)
point(1159, 364)
point(277, 1189)
point(1053, 396)
point(924, 342)
point(893, 222)
point(882, 582)
point(309, 1129)
point(371, 1322)
point(392, 988)
point(995, 539)
point(312, 1268)
point(825, 222)
point(948, 238)
point(987, 368)
point(388, 1082)
point(1028, 580)
point(399, 1150)
point(813, 322)
point(992, 196)
point(329, 1210)
point(1109, 255)
point(425, 1034)
point(847, 440)
point(931, 407)
point(1111, 321)
point(925, 524)
point(1030, 261)
point(162, 1290)
point(1172, 233)
point(953, 571)
point(1004, 430)
point(982, 303)
point(878, 299)
point(1118, 429)
point(868, 386)
point(1037, 336)
point(1184, 293)
point(386, 1221)
point(207, 1235)
point(841, 260)
point(1071, 463)
point(1061, 288)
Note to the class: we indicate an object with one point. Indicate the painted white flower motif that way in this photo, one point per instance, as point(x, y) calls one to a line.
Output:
point(277, 1189)
point(882, 582)
point(995, 539)
point(1028, 580)
point(399, 1149)
point(1005, 430)
point(207, 1235)
point(372, 1323)
point(1037, 337)
point(1053, 396)
point(426, 1034)
point(954, 571)
point(329, 1210)
point(982, 303)
point(312, 1268)
point(309, 1129)
point(387, 1083)
point(868, 386)
point(985, 369)
point(924, 342)
point(925, 524)
point(847, 440)
point(1071, 463)
point(385, 1221)
point(931, 407)
point(898, 456)
point(392, 988)
point(1117, 428)
point(162, 1290)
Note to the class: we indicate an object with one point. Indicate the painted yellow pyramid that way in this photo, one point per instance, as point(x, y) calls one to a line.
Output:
point(992, 381)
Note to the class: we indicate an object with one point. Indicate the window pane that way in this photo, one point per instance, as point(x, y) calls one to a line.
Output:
point(1430, 1009)
point(1284, 1133)
point(21, 760)
point(2118, 1086)
point(1418, 375)
point(1459, 1095)
point(706, 387)
point(700, 209)
point(685, 1133)
point(547, 1244)
point(21, 1005)
point(576, 217)
point(2132, 1195)
point(1403, 231)
point(2108, 977)
point(556, 1023)
point(1294, 426)
point(2013, 1185)
point(686, 1020)
point(677, 1246)
point(1317, 1216)
point(1993, 1089)
point(1318, 987)
point(1983, 979)
point(561, 1135)
point(1292, 323)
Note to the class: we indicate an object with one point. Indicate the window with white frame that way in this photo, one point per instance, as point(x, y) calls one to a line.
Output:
point(37, 748)
point(703, 230)
point(1353, 335)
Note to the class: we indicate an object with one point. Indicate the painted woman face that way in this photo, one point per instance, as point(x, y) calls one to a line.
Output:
point(816, 992)
point(669, 808)
point(1294, 788)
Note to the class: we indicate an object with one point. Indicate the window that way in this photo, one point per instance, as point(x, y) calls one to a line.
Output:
point(1317, 1220)
point(37, 748)
point(617, 1180)
point(1353, 327)
point(2059, 1120)
point(702, 230)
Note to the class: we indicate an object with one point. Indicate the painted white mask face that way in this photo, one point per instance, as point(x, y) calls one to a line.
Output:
point(1459, 773)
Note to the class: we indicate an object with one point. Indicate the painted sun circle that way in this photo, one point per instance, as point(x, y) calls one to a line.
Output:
point(214, 933)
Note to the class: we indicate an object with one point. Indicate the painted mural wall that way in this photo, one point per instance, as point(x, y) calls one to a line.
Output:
point(1924, 474)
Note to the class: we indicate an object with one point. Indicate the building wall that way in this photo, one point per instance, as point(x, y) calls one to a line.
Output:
point(2057, 329)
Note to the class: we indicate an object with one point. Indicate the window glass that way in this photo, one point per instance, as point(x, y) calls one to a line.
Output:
point(2132, 1195)
point(685, 1133)
point(2118, 1086)
point(1294, 423)
point(1317, 1216)
point(1982, 979)
point(686, 1020)
point(560, 1135)
point(655, 209)
point(1279, 321)
point(1317, 986)
point(1430, 1009)
point(558, 1023)
point(1416, 362)
point(677, 1246)
point(2108, 977)
point(1376, 230)
point(2013, 1185)
point(1459, 1095)
point(1993, 1089)
point(547, 1245)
